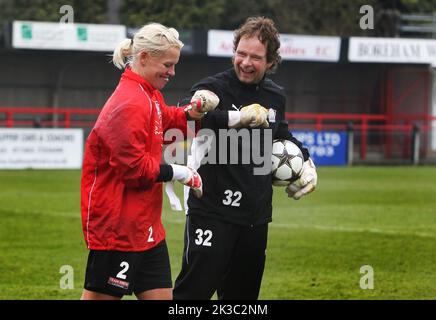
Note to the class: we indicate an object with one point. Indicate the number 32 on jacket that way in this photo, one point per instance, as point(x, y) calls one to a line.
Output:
point(232, 198)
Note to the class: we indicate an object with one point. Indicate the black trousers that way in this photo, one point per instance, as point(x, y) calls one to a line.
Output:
point(222, 257)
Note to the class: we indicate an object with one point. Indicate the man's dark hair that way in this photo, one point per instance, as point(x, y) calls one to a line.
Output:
point(266, 32)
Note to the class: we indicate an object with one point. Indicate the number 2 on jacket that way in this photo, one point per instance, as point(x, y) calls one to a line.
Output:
point(150, 234)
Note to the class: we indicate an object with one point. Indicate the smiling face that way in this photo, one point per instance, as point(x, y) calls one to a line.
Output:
point(158, 70)
point(250, 61)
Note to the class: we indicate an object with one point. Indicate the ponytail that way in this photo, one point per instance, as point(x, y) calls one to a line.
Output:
point(122, 53)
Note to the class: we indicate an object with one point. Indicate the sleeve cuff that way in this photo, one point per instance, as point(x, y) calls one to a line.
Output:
point(234, 118)
point(165, 174)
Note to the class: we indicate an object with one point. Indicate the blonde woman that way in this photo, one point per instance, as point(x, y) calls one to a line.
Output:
point(121, 187)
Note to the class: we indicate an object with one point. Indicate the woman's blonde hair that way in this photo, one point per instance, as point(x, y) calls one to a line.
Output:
point(153, 38)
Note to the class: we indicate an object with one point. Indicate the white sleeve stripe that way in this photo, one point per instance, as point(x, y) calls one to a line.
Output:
point(89, 206)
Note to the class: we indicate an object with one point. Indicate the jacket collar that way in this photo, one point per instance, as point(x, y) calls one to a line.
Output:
point(130, 75)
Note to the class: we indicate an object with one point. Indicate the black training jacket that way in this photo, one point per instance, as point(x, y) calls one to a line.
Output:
point(231, 192)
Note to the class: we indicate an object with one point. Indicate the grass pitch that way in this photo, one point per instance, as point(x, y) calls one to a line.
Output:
point(382, 217)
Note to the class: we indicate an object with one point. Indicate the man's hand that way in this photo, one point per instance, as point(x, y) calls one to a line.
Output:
point(206, 100)
point(201, 102)
point(254, 115)
point(188, 177)
point(306, 183)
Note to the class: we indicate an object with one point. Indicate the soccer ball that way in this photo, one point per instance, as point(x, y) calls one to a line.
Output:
point(287, 162)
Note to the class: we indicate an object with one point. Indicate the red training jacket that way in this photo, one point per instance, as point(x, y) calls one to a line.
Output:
point(120, 200)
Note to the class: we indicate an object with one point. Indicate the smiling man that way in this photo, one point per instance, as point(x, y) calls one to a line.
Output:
point(226, 230)
point(250, 61)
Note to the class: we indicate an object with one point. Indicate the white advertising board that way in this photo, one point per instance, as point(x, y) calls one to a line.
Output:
point(392, 50)
point(66, 36)
point(41, 148)
point(292, 47)
point(433, 128)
